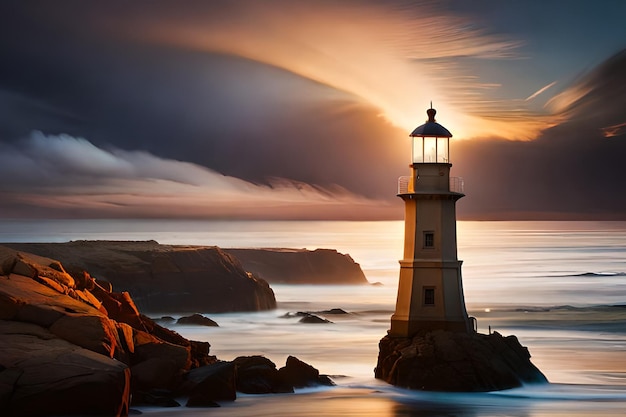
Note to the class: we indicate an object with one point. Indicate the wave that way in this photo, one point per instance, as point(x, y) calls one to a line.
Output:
point(590, 309)
point(592, 275)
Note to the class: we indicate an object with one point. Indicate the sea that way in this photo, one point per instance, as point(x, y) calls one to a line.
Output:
point(560, 287)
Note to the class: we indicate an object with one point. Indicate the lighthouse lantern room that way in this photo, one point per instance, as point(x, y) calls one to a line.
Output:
point(430, 289)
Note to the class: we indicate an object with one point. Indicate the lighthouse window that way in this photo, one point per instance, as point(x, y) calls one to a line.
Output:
point(429, 296)
point(429, 239)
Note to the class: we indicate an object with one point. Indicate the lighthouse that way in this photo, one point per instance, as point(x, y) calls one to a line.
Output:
point(430, 288)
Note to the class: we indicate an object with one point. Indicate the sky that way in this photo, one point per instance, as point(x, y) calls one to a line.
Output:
point(284, 109)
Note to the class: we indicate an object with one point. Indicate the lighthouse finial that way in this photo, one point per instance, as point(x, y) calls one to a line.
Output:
point(431, 113)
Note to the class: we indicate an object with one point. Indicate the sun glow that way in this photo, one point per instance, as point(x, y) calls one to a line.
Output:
point(389, 58)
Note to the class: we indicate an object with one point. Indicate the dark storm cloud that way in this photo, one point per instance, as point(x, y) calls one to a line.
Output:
point(79, 69)
point(233, 115)
point(573, 170)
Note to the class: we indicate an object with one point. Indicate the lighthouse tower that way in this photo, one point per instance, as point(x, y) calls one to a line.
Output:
point(430, 290)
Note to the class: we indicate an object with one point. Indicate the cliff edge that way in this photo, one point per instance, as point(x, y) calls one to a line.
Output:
point(164, 278)
point(300, 266)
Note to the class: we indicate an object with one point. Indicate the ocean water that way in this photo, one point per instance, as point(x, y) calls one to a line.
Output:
point(560, 287)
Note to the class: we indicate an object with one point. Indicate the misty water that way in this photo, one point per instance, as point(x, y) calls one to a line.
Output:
point(559, 286)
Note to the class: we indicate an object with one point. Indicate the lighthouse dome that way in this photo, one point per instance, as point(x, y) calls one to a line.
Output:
point(431, 128)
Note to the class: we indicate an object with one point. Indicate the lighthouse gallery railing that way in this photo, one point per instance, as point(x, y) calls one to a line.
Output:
point(457, 185)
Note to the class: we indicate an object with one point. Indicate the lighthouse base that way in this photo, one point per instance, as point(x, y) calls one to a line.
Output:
point(456, 362)
point(401, 327)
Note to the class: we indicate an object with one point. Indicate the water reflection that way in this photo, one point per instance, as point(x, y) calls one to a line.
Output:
point(381, 400)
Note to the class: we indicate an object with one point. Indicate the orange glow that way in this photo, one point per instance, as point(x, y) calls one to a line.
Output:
point(395, 61)
point(614, 130)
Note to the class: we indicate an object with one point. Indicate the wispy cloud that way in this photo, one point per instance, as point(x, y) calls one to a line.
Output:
point(614, 130)
point(395, 58)
point(541, 90)
point(65, 173)
point(566, 99)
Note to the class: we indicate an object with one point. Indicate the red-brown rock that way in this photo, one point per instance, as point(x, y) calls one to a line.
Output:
point(165, 278)
point(43, 375)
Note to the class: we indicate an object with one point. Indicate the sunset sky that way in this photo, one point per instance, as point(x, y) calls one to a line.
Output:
point(302, 109)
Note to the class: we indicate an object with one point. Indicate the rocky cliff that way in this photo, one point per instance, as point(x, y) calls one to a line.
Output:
point(69, 346)
point(300, 266)
point(164, 278)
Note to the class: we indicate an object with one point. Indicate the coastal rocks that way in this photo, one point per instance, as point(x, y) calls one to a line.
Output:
point(198, 320)
point(258, 375)
point(164, 278)
point(313, 319)
point(336, 311)
point(61, 354)
point(300, 266)
point(310, 318)
point(212, 383)
point(157, 363)
point(300, 374)
point(42, 374)
point(249, 375)
point(462, 362)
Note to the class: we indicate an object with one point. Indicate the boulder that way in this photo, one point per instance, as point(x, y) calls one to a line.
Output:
point(451, 361)
point(119, 306)
point(212, 383)
point(157, 363)
point(197, 319)
point(199, 351)
point(96, 333)
point(258, 375)
point(43, 375)
point(312, 319)
point(299, 374)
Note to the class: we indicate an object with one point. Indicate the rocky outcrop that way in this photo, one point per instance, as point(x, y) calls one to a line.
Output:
point(68, 346)
point(300, 374)
point(300, 266)
point(164, 278)
point(62, 353)
point(197, 320)
point(212, 383)
point(313, 319)
point(462, 362)
point(42, 374)
point(251, 375)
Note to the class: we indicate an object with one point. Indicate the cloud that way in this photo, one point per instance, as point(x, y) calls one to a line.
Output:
point(541, 90)
point(571, 171)
point(62, 174)
point(614, 130)
point(394, 56)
